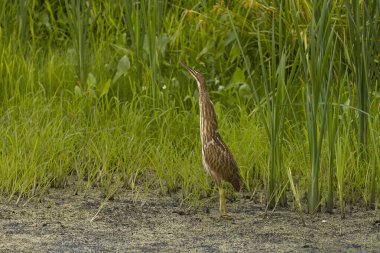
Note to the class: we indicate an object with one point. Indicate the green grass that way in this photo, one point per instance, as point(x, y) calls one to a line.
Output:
point(92, 95)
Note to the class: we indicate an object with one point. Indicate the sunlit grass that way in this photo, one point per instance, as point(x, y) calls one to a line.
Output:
point(92, 95)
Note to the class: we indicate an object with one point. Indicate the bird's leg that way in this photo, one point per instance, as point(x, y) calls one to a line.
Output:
point(222, 202)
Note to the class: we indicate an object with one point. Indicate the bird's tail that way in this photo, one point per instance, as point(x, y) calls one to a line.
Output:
point(238, 183)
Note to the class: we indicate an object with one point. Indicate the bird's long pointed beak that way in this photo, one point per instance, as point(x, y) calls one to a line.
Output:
point(192, 71)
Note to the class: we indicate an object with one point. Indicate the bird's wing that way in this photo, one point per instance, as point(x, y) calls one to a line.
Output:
point(220, 160)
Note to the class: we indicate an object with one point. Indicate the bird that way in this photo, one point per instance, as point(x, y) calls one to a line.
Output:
point(217, 159)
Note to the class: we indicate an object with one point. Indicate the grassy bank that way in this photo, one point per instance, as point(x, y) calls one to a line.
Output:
point(92, 93)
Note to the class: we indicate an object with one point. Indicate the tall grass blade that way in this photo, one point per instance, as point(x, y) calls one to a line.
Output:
point(363, 19)
point(78, 18)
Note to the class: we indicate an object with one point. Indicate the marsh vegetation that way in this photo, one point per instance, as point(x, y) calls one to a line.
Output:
point(92, 96)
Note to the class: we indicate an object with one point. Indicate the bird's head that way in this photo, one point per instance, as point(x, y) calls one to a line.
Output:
point(197, 76)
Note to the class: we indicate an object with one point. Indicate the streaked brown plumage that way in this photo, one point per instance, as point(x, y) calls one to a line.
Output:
point(216, 157)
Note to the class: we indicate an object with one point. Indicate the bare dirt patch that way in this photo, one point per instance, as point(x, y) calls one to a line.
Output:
point(61, 223)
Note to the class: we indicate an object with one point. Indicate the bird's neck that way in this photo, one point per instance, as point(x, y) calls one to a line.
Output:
point(208, 120)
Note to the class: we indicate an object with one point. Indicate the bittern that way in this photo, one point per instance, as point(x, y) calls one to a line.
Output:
point(216, 157)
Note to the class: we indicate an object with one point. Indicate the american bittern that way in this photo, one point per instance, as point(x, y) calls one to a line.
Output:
point(216, 157)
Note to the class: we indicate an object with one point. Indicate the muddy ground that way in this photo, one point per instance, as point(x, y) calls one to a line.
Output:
point(61, 222)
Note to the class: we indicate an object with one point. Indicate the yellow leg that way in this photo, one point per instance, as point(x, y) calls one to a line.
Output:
point(222, 202)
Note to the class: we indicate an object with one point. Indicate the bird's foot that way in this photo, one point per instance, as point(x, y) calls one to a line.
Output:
point(225, 216)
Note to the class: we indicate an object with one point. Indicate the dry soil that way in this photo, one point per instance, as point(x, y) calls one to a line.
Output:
point(62, 222)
